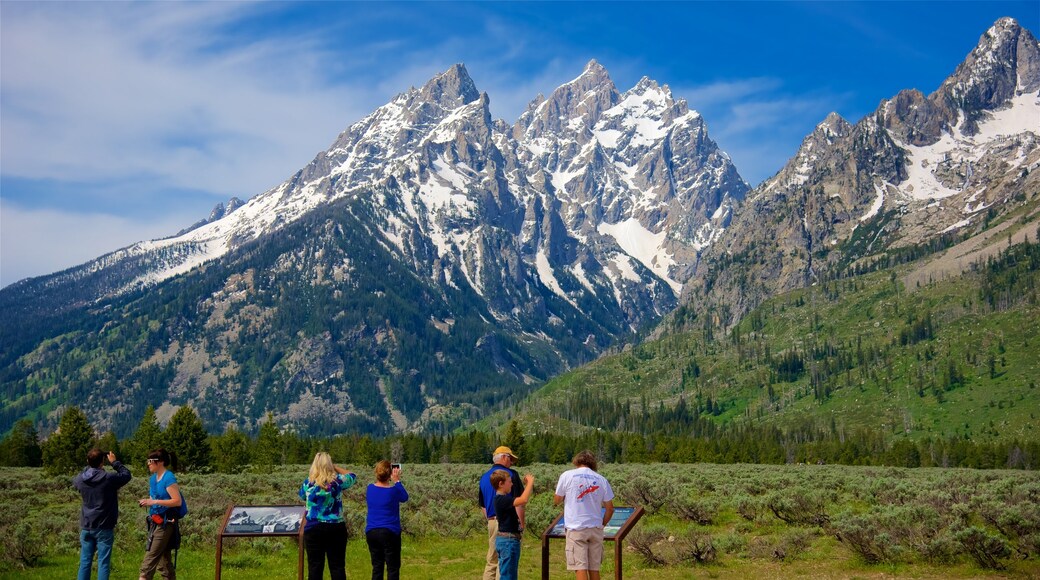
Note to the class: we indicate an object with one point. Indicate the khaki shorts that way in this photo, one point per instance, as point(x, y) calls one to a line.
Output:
point(585, 549)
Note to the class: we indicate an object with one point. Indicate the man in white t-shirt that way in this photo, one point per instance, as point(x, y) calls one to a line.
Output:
point(584, 495)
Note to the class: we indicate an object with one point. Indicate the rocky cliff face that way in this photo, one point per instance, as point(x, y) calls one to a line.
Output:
point(916, 169)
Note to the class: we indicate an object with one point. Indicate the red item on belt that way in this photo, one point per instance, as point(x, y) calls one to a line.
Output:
point(158, 519)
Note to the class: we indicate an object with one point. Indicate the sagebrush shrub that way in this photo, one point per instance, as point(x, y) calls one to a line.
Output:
point(985, 548)
point(799, 506)
point(696, 547)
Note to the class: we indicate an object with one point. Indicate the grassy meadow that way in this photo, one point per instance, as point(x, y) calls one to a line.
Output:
point(703, 520)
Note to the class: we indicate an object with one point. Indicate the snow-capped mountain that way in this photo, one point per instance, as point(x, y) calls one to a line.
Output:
point(577, 224)
point(916, 169)
point(596, 192)
point(434, 263)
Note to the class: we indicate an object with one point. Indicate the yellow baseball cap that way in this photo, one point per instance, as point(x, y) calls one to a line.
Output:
point(507, 451)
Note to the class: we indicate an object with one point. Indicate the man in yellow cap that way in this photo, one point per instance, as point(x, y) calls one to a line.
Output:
point(503, 459)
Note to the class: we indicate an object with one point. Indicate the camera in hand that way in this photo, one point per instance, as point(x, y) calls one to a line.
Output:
point(395, 466)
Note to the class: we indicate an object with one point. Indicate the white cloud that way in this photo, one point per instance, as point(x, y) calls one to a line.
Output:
point(38, 242)
point(102, 91)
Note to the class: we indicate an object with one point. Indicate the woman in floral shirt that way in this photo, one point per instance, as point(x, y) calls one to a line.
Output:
point(325, 532)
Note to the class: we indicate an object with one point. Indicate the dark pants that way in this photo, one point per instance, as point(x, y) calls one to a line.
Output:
point(326, 541)
point(385, 548)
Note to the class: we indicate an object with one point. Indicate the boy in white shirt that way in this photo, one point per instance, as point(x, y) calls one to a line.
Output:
point(584, 493)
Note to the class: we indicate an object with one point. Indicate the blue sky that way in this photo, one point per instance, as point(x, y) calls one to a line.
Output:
point(128, 121)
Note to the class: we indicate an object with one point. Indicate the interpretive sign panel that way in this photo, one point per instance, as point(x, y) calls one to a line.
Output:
point(247, 521)
point(610, 531)
point(272, 520)
point(621, 522)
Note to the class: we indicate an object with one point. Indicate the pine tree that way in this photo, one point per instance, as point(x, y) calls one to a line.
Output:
point(22, 447)
point(230, 451)
point(65, 451)
point(268, 450)
point(513, 438)
point(149, 436)
point(109, 442)
point(186, 436)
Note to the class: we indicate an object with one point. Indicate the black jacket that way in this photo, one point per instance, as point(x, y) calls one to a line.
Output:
point(100, 491)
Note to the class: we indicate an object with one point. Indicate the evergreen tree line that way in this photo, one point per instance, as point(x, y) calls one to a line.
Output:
point(233, 451)
point(895, 256)
point(1009, 278)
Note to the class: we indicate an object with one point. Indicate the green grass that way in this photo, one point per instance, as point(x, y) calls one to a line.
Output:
point(445, 535)
point(450, 559)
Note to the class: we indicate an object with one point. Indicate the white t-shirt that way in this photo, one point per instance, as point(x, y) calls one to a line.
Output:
point(584, 492)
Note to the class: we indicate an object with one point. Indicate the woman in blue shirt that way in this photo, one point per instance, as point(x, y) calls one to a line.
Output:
point(383, 525)
point(163, 495)
point(325, 531)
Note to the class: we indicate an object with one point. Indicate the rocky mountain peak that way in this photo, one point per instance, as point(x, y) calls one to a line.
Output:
point(834, 123)
point(1005, 63)
point(648, 84)
point(917, 168)
point(450, 89)
point(595, 72)
point(579, 102)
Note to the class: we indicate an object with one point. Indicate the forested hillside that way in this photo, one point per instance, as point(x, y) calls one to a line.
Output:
point(861, 356)
point(317, 322)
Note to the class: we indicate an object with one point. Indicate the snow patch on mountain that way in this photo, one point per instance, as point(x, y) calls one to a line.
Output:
point(1022, 115)
point(548, 277)
point(643, 245)
point(578, 270)
point(878, 202)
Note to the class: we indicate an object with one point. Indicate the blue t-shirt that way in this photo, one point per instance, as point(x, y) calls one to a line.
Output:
point(384, 507)
point(157, 489)
point(486, 493)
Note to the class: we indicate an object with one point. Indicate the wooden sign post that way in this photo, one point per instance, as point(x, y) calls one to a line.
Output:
point(251, 521)
point(617, 528)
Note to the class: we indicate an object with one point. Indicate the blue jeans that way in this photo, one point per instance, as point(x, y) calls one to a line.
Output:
point(91, 541)
point(508, 557)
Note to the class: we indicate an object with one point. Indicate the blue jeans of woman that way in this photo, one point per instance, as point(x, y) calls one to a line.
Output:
point(508, 557)
point(91, 541)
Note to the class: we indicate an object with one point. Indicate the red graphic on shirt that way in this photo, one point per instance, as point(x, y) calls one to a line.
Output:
point(587, 491)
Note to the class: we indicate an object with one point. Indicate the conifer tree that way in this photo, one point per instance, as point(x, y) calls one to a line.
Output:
point(65, 451)
point(268, 449)
point(230, 451)
point(109, 442)
point(22, 447)
point(149, 436)
point(187, 437)
point(514, 439)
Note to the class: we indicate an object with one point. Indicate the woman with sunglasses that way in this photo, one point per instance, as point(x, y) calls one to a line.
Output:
point(163, 495)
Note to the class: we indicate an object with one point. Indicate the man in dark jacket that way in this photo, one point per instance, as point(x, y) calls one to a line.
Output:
point(100, 491)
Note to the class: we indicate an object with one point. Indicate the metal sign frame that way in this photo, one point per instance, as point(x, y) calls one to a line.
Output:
point(632, 515)
point(267, 530)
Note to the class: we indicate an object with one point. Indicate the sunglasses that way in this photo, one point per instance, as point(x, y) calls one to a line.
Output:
point(153, 461)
